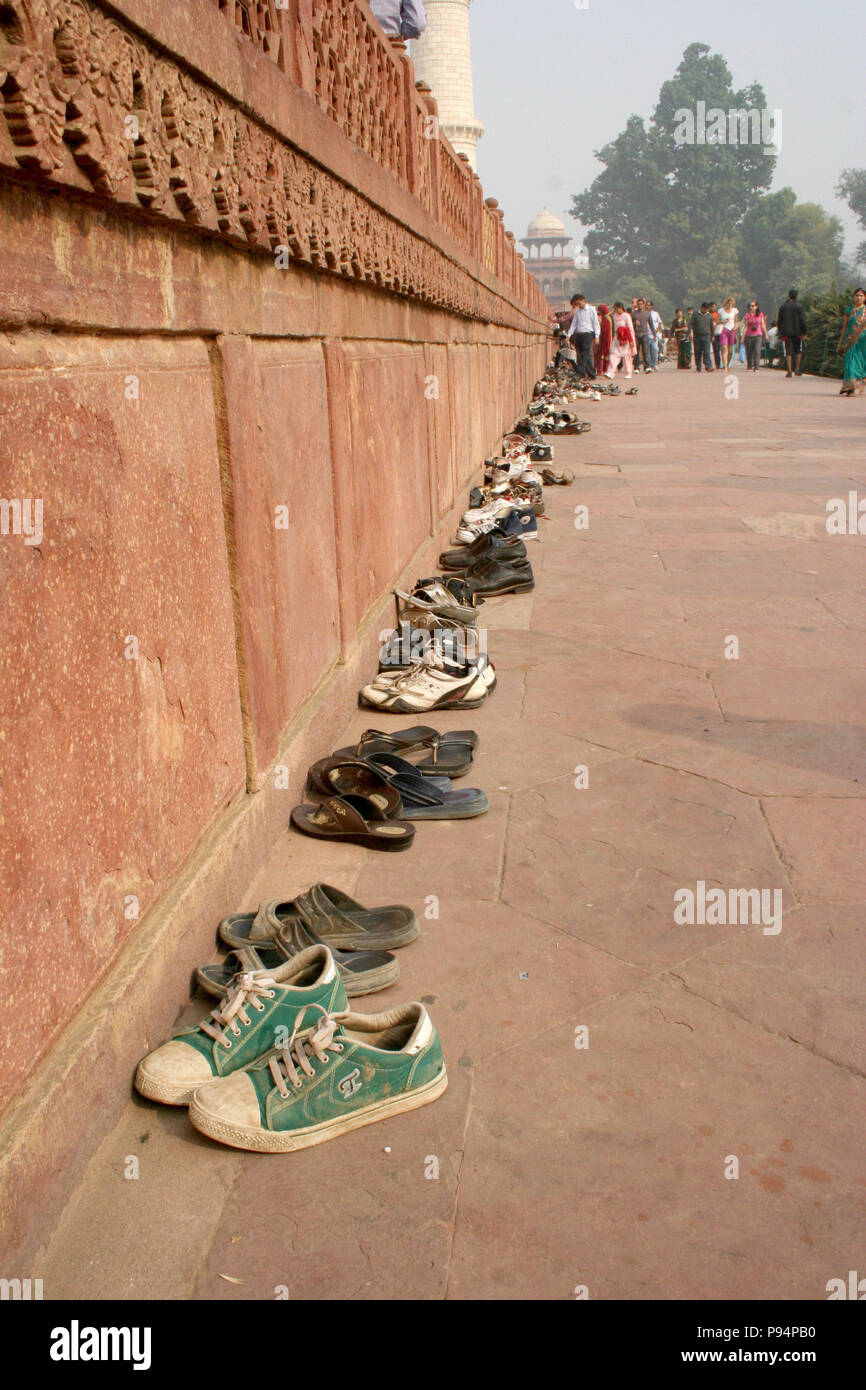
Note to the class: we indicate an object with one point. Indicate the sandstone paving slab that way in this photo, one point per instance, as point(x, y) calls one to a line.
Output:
point(352, 1219)
point(493, 975)
point(636, 701)
point(604, 1168)
point(751, 689)
point(804, 984)
point(712, 525)
point(770, 650)
point(618, 611)
point(511, 762)
point(738, 574)
point(702, 645)
point(821, 841)
point(770, 757)
point(848, 608)
point(575, 857)
point(465, 852)
point(740, 611)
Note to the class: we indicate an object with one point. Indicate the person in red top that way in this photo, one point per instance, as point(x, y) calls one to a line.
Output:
point(623, 341)
point(754, 333)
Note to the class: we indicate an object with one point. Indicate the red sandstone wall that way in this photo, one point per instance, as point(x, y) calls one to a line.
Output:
point(164, 388)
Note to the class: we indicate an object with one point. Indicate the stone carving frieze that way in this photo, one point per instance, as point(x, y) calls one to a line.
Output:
point(87, 102)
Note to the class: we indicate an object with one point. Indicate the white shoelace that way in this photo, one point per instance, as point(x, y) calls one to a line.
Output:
point(300, 1052)
point(246, 991)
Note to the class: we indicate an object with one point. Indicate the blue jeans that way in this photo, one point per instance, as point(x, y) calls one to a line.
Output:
point(653, 352)
point(704, 353)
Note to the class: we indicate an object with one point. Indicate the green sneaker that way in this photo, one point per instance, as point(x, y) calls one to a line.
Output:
point(244, 1027)
point(339, 1073)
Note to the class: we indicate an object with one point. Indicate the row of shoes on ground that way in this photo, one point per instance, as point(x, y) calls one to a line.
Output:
point(293, 1076)
point(282, 1063)
point(369, 798)
point(564, 381)
point(517, 462)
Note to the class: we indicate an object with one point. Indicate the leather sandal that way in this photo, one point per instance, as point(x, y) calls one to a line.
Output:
point(423, 798)
point(327, 913)
point(564, 478)
point(440, 754)
point(354, 819)
point(343, 776)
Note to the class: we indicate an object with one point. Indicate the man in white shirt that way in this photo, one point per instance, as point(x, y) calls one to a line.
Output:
point(656, 335)
point(584, 331)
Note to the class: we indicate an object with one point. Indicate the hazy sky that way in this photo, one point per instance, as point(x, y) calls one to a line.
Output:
point(554, 82)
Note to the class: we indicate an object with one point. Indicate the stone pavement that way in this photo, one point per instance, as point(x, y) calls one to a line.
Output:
point(709, 1046)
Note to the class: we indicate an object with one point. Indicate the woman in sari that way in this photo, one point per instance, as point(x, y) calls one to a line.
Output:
point(853, 343)
point(679, 333)
point(601, 352)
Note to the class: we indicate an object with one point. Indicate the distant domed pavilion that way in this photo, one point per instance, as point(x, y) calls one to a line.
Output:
point(546, 243)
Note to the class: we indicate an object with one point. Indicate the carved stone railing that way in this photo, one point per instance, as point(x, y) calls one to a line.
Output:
point(355, 83)
point(90, 103)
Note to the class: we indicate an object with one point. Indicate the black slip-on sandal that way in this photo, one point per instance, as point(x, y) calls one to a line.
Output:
point(430, 755)
point(342, 776)
point(354, 819)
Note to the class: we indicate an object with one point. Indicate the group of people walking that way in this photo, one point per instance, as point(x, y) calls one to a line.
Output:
point(716, 336)
point(599, 341)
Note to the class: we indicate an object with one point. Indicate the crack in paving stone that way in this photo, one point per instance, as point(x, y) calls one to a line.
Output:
point(773, 1032)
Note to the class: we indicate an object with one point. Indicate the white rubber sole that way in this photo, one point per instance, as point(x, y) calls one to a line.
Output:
point(165, 1092)
point(266, 1141)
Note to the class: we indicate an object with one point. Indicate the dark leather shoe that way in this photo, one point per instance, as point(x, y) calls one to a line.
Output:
point(495, 576)
point(493, 545)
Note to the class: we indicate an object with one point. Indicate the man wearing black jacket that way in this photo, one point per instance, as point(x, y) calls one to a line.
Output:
point(791, 323)
point(702, 337)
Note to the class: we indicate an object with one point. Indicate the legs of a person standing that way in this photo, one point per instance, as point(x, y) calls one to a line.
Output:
point(584, 343)
point(654, 352)
point(704, 353)
point(717, 349)
point(753, 344)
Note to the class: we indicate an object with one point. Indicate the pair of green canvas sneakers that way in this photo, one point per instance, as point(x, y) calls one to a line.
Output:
point(283, 1064)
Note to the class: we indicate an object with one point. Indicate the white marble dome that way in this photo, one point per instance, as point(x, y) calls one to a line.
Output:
point(546, 224)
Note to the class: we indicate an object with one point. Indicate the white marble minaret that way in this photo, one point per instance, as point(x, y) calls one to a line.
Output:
point(443, 59)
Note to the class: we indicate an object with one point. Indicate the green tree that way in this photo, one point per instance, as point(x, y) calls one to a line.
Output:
point(786, 243)
point(852, 187)
point(606, 285)
point(825, 315)
point(658, 203)
point(718, 273)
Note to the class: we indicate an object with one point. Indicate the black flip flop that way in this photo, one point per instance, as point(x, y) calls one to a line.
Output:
point(436, 754)
point(354, 819)
point(339, 776)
